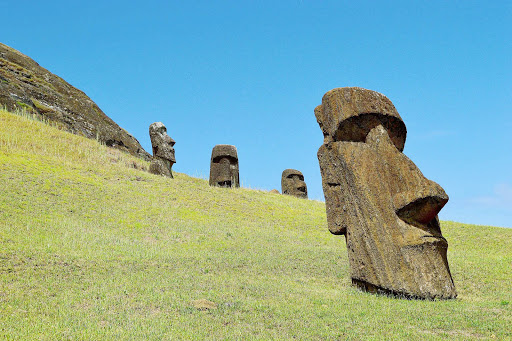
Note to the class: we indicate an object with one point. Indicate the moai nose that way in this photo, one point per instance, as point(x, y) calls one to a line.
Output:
point(422, 199)
point(422, 205)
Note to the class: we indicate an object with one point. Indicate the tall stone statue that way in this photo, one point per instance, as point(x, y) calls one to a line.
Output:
point(379, 199)
point(163, 150)
point(292, 183)
point(224, 166)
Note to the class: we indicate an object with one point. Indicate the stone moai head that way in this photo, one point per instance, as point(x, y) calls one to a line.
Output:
point(379, 199)
point(163, 150)
point(224, 166)
point(292, 183)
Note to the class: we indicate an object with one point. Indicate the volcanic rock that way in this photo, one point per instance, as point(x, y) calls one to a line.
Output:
point(24, 85)
point(292, 183)
point(224, 170)
point(163, 150)
point(379, 199)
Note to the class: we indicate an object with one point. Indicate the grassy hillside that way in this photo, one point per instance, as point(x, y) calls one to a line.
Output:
point(93, 247)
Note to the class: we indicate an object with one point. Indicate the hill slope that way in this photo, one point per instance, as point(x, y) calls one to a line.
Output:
point(93, 247)
point(26, 85)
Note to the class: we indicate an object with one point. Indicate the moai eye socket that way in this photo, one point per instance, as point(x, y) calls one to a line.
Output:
point(295, 176)
point(356, 128)
point(224, 159)
point(221, 160)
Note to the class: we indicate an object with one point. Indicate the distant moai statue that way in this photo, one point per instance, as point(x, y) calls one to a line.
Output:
point(224, 166)
point(163, 150)
point(292, 183)
point(379, 199)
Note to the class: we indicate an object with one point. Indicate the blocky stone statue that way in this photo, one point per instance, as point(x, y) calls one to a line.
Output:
point(292, 183)
point(379, 199)
point(163, 150)
point(224, 166)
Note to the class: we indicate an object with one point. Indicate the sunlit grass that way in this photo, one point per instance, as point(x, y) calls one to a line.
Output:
point(93, 247)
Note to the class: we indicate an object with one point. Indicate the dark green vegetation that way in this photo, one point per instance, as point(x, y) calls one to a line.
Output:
point(92, 247)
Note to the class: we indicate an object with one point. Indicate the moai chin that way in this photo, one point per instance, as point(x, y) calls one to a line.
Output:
point(379, 199)
point(163, 150)
point(292, 183)
point(224, 166)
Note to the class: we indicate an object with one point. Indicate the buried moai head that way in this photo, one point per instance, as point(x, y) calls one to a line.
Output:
point(292, 183)
point(163, 150)
point(224, 166)
point(379, 199)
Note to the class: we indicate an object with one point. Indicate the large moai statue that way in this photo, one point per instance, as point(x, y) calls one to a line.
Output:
point(163, 150)
point(292, 183)
point(379, 199)
point(224, 166)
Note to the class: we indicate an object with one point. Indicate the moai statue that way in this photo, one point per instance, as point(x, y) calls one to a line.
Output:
point(292, 183)
point(379, 199)
point(163, 150)
point(224, 166)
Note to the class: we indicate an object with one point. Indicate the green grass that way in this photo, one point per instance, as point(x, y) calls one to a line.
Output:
point(93, 247)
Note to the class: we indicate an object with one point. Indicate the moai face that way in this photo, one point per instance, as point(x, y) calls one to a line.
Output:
point(163, 144)
point(224, 166)
point(379, 199)
point(292, 183)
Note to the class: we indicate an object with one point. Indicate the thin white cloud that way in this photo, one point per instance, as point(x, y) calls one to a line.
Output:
point(501, 197)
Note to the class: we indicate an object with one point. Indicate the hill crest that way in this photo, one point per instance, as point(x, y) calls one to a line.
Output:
point(25, 85)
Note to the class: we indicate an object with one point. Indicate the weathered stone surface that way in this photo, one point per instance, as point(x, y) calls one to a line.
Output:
point(292, 183)
point(26, 85)
point(224, 166)
point(163, 150)
point(379, 199)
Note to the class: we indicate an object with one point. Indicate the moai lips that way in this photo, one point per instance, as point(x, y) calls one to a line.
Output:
point(163, 150)
point(292, 183)
point(224, 170)
point(379, 199)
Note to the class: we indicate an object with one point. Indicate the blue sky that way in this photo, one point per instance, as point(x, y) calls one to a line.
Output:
point(250, 73)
